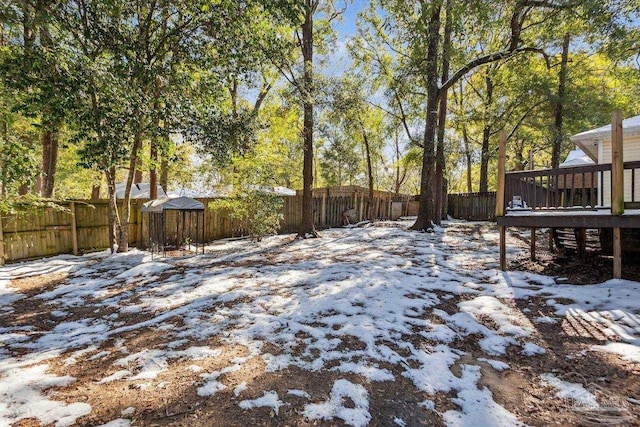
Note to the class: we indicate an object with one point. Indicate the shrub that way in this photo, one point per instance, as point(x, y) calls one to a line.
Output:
point(259, 212)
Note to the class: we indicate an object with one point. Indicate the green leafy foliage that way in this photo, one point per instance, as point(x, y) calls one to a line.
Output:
point(18, 164)
point(259, 212)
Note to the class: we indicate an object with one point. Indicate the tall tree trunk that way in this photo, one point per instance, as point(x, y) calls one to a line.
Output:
point(51, 124)
point(164, 171)
point(442, 113)
point(28, 40)
point(559, 105)
point(49, 160)
point(367, 150)
point(153, 145)
point(137, 177)
point(426, 207)
point(44, 164)
point(153, 172)
point(307, 228)
point(123, 235)
point(95, 192)
point(467, 155)
point(486, 134)
point(400, 177)
point(4, 126)
point(114, 220)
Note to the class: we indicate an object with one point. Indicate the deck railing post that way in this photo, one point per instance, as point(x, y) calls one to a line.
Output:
point(617, 196)
point(502, 156)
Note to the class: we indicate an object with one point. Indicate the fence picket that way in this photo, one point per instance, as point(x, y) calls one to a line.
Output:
point(472, 206)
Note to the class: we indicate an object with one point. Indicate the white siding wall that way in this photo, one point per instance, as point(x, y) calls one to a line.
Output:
point(631, 153)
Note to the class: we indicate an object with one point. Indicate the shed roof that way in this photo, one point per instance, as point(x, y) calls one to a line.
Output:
point(172, 204)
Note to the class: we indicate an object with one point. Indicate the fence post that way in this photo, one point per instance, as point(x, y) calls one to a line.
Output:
point(74, 228)
point(502, 156)
point(144, 232)
point(139, 242)
point(355, 199)
point(617, 179)
point(1, 242)
point(323, 211)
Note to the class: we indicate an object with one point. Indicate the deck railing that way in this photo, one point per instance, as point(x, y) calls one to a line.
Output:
point(578, 187)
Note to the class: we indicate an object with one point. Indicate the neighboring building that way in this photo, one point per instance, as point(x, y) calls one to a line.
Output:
point(226, 191)
point(596, 144)
point(138, 191)
point(577, 157)
point(585, 181)
point(278, 191)
point(199, 194)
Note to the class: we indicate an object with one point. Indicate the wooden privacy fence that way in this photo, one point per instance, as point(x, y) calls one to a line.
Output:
point(472, 206)
point(83, 225)
point(329, 205)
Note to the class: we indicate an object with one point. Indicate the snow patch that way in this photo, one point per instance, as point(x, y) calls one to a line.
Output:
point(269, 400)
point(21, 397)
point(570, 390)
point(334, 407)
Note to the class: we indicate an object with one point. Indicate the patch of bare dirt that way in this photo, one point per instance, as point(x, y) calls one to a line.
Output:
point(36, 284)
point(171, 398)
point(596, 268)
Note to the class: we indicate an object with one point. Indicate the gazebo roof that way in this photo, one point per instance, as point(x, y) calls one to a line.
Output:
point(173, 204)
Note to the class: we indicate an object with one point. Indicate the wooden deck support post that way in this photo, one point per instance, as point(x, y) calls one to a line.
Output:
point(502, 157)
point(581, 243)
point(617, 180)
point(1, 242)
point(533, 244)
point(74, 228)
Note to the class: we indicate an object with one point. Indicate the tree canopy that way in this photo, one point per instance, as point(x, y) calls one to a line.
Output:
point(393, 95)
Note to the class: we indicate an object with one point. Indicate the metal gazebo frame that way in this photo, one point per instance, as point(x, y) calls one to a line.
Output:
point(186, 209)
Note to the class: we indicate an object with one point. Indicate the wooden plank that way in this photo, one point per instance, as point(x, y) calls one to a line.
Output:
point(570, 221)
point(617, 182)
point(323, 215)
point(74, 229)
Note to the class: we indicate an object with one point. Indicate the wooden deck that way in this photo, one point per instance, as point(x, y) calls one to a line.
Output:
point(582, 197)
point(569, 218)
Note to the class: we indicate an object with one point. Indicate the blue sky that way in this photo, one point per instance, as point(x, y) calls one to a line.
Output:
point(338, 61)
point(347, 26)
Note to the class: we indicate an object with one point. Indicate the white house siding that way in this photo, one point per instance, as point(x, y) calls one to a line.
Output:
point(631, 153)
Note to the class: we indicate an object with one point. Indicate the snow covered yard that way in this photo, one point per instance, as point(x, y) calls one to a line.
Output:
point(371, 326)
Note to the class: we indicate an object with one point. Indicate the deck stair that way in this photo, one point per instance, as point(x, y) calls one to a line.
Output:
point(568, 239)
